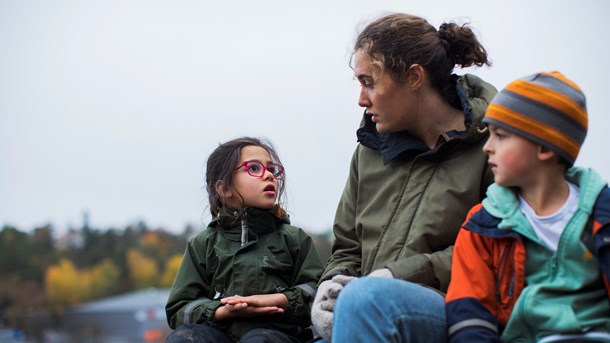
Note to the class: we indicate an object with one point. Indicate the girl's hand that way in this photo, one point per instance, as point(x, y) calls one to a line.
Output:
point(254, 305)
point(258, 300)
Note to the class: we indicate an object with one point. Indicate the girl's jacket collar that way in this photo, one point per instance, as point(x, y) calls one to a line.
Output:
point(260, 221)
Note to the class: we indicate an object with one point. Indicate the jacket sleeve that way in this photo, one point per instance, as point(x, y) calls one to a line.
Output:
point(601, 234)
point(307, 272)
point(427, 269)
point(346, 257)
point(471, 295)
point(188, 301)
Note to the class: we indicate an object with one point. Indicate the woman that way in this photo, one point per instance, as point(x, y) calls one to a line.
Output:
point(418, 169)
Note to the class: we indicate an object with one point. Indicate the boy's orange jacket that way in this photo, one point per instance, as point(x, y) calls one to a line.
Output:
point(488, 271)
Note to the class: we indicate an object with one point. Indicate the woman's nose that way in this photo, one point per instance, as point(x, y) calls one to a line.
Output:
point(363, 99)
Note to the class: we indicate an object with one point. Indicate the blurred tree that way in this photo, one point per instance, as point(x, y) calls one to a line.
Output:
point(14, 252)
point(92, 252)
point(143, 270)
point(103, 279)
point(42, 253)
point(63, 285)
point(171, 268)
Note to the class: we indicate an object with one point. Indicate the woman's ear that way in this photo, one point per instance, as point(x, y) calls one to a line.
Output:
point(415, 76)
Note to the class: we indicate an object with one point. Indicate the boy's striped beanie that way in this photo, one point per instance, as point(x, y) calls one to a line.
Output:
point(546, 108)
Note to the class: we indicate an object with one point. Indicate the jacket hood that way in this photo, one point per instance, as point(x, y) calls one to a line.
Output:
point(474, 95)
point(501, 202)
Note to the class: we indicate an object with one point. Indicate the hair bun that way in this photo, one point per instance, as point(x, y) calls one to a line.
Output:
point(445, 32)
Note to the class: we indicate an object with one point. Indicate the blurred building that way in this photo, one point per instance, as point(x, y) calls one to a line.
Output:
point(133, 317)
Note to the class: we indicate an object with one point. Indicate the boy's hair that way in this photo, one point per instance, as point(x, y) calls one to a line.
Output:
point(546, 108)
point(223, 161)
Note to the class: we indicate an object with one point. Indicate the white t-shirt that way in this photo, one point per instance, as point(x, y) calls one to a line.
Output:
point(549, 228)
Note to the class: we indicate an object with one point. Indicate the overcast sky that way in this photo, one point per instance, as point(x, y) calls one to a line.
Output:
point(112, 107)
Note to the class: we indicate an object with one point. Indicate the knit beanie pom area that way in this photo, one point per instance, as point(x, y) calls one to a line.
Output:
point(547, 108)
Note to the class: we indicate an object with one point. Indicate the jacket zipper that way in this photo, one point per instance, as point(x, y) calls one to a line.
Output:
point(505, 255)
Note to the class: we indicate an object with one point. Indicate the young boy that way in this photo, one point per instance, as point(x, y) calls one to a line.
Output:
point(532, 261)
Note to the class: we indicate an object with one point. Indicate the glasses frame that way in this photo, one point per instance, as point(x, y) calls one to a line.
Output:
point(265, 169)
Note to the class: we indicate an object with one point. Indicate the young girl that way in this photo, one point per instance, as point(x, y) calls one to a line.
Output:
point(250, 276)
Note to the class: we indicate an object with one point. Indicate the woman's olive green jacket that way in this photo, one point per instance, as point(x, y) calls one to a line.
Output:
point(403, 203)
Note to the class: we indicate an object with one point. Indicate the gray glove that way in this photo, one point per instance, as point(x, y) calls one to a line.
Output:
point(324, 305)
point(383, 273)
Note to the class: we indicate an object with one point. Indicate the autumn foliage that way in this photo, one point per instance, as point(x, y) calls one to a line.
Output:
point(45, 271)
point(82, 265)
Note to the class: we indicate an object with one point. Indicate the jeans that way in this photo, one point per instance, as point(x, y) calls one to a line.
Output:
point(202, 333)
point(373, 309)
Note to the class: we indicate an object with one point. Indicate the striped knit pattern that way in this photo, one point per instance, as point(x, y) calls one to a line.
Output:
point(546, 108)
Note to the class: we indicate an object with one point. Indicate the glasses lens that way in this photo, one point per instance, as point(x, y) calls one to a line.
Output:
point(255, 168)
point(276, 170)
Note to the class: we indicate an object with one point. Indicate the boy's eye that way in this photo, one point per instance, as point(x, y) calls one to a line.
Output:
point(500, 134)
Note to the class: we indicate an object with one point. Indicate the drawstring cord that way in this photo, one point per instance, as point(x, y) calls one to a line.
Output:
point(244, 232)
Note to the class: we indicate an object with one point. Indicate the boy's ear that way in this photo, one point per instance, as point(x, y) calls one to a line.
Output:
point(222, 190)
point(546, 154)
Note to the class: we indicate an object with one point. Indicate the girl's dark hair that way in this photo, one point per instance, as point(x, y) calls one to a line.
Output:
point(222, 164)
point(395, 42)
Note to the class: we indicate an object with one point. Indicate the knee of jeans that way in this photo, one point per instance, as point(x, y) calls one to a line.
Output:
point(364, 285)
point(191, 333)
point(359, 287)
point(259, 335)
point(188, 328)
point(183, 333)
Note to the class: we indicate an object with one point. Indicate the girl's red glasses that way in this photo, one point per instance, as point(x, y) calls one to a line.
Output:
point(257, 169)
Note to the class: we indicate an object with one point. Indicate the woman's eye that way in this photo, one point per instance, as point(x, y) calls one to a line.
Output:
point(367, 84)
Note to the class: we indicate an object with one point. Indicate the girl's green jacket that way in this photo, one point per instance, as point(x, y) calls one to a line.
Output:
point(255, 252)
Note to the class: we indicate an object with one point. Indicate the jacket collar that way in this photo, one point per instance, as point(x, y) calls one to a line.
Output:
point(501, 202)
point(259, 221)
point(393, 144)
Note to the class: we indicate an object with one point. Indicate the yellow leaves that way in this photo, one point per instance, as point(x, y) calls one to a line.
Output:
point(104, 279)
point(171, 268)
point(65, 285)
point(142, 269)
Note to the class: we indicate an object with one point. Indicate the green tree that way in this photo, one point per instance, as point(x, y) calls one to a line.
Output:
point(14, 253)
